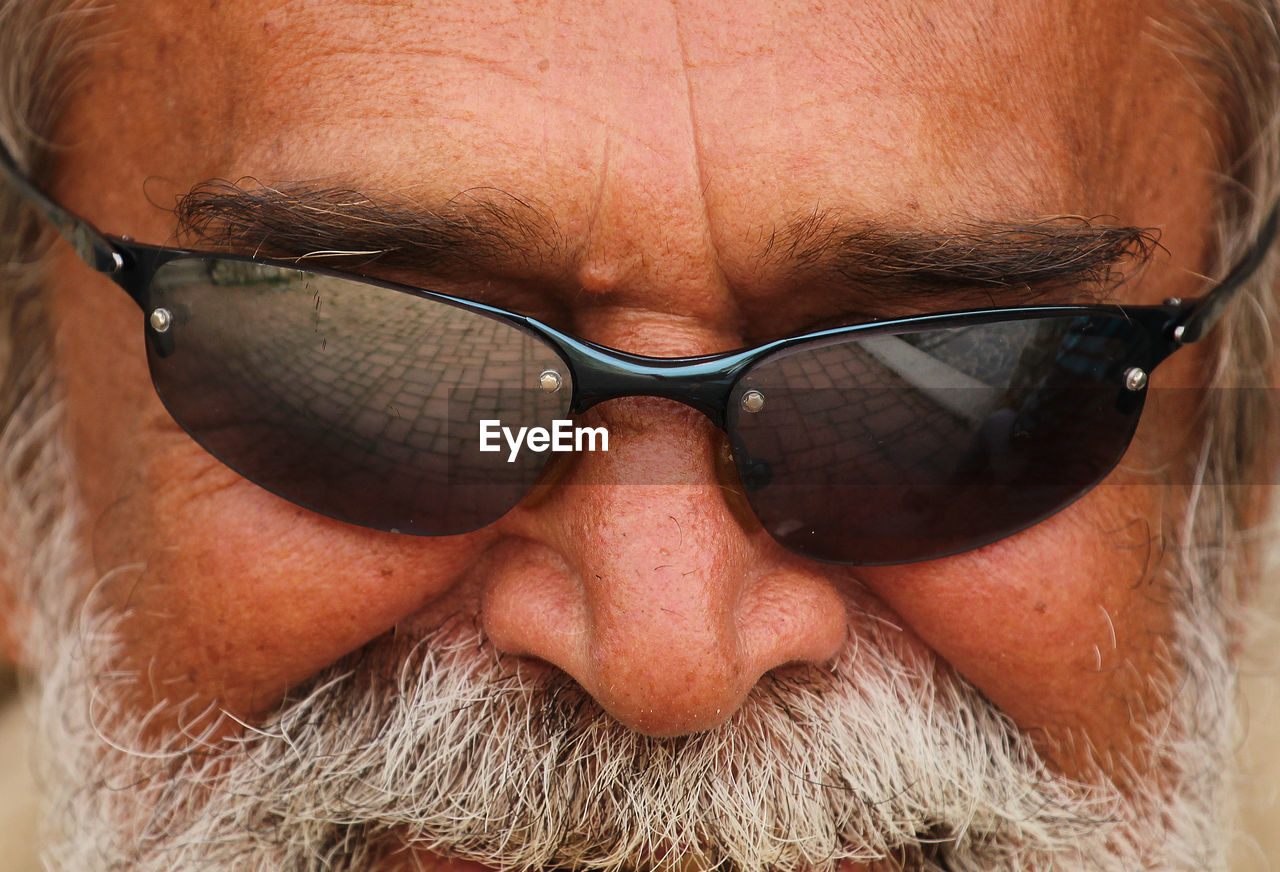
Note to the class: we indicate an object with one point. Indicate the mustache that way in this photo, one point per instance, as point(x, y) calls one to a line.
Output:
point(443, 744)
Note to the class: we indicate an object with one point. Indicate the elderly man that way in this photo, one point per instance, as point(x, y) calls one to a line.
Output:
point(358, 516)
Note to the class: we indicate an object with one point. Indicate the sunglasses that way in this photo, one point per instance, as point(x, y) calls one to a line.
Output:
point(403, 409)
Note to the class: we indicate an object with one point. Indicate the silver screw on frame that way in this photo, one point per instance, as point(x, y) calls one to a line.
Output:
point(1135, 379)
point(752, 401)
point(550, 381)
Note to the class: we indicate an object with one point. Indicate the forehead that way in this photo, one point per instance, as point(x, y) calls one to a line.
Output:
point(724, 120)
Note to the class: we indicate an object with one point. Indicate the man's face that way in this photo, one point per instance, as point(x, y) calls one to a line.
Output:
point(670, 151)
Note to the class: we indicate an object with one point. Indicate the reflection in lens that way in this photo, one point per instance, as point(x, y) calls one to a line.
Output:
point(883, 448)
point(356, 401)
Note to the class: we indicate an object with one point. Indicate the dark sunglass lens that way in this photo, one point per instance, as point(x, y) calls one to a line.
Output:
point(374, 406)
point(891, 447)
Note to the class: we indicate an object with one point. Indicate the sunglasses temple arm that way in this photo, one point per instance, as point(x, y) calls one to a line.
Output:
point(94, 248)
point(1209, 308)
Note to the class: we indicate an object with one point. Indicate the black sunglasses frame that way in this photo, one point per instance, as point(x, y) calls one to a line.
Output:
point(602, 373)
point(703, 382)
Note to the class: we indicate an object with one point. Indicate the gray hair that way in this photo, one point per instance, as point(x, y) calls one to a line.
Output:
point(40, 42)
point(1236, 46)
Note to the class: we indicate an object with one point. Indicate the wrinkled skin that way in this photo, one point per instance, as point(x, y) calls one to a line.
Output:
point(665, 142)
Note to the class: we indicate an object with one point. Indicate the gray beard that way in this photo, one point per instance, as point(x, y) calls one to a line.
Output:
point(443, 745)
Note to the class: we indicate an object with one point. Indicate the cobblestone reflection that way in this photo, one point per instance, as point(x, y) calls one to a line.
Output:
point(331, 392)
point(890, 442)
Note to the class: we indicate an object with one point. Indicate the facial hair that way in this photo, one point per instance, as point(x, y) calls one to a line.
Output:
point(442, 744)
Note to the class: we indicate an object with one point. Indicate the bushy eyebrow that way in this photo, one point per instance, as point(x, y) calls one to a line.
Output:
point(489, 229)
point(999, 258)
point(480, 227)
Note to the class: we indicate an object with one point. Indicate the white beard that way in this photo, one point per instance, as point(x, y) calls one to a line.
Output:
point(445, 746)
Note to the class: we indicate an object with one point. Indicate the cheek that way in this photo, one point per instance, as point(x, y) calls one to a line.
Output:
point(1062, 626)
point(241, 596)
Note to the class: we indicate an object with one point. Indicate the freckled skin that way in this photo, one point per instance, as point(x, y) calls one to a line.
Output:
point(666, 140)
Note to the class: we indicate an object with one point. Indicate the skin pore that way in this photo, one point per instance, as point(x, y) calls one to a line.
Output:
point(664, 145)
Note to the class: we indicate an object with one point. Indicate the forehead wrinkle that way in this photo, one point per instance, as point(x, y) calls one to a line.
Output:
point(1015, 95)
point(1001, 102)
point(420, 61)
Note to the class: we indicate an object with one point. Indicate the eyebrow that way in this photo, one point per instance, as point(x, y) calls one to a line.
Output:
point(1028, 259)
point(486, 228)
point(480, 227)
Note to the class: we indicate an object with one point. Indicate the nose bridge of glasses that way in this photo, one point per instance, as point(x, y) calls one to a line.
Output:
point(600, 373)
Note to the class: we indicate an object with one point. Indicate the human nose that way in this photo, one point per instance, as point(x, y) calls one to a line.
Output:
point(641, 580)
